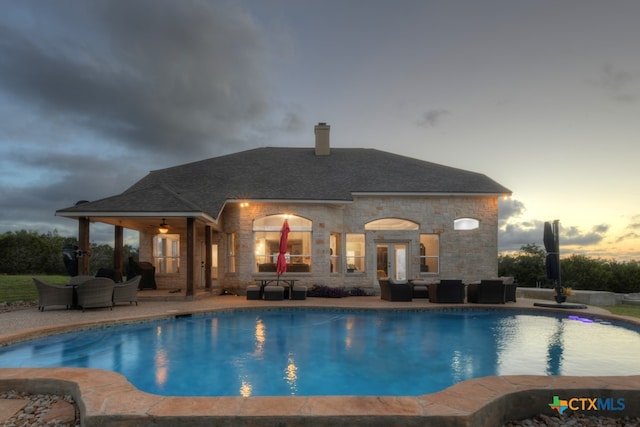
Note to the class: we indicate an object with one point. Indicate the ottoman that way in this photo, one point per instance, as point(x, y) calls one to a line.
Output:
point(273, 293)
point(299, 292)
point(253, 292)
point(420, 291)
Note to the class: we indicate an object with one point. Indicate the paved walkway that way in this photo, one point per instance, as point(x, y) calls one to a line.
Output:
point(23, 324)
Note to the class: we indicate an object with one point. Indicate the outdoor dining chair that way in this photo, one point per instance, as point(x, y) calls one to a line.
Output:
point(49, 294)
point(96, 293)
point(127, 291)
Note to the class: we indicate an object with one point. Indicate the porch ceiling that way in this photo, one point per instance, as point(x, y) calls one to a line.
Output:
point(151, 223)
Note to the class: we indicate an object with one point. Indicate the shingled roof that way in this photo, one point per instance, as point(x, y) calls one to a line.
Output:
point(295, 174)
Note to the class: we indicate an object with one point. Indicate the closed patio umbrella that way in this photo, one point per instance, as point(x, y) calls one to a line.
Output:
point(281, 265)
point(552, 246)
point(549, 239)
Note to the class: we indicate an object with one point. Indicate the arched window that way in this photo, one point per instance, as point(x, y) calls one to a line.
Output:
point(466, 224)
point(266, 238)
point(391, 224)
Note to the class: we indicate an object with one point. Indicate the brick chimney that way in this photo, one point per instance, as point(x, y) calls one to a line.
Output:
point(322, 139)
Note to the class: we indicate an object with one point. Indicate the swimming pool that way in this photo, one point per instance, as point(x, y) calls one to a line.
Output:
point(304, 352)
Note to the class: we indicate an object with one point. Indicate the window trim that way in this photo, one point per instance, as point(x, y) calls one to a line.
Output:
point(425, 257)
point(466, 224)
point(160, 260)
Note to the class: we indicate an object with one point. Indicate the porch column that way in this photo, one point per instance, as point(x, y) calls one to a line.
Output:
point(191, 251)
point(208, 256)
point(118, 250)
point(84, 246)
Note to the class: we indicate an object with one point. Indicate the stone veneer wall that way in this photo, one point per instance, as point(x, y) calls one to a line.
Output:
point(468, 255)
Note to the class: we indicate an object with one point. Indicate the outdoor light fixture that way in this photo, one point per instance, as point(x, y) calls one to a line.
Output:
point(164, 227)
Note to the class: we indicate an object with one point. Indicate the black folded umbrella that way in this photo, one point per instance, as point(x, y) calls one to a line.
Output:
point(553, 267)
point(549, 239)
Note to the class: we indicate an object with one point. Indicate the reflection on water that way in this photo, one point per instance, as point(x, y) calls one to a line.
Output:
point(261, 337)
point(461, 366)
point(291, 375)
point(556, 348)
point(245, 389)
point(161, 367)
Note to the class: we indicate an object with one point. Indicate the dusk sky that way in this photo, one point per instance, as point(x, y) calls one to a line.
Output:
point(542, 96)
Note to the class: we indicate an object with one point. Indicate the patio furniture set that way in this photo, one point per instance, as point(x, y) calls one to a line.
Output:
point(280, 290)
point(87, 292)
point(451, 291)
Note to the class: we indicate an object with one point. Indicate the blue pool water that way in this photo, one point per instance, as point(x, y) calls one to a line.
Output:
point(327, 352)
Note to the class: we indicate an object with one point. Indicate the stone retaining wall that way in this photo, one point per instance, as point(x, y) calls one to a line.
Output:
point(580, 297)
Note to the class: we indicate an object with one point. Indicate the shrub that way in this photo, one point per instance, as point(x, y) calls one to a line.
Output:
point(327, 292)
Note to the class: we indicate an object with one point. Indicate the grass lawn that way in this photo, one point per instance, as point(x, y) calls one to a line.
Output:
point(22, 288)
point(624, 310)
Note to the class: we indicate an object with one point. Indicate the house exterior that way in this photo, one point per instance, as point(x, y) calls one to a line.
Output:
point(355, 215)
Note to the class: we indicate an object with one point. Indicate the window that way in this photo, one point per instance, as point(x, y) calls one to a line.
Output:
point(231, 252)
point(334, 252)
point(429, 253)
point(466, 224)
point(266, 235)
point(391, 224)
point(355, 253)
point(166, 253)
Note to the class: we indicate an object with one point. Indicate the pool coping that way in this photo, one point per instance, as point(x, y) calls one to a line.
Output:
point(107, 399)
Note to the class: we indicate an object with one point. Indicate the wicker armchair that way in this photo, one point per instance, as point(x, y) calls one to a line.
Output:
point(447, 291)
point(487, 292)
point(76, 280)
point(127, 291)
point(53, 295)
point(395, 291)
point(94, 293)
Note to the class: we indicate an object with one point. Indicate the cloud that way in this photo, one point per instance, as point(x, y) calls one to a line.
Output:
point(175, 77)
point(619, 84)
point(635, 224)
point(574, 236)
point(509, 208)
point(95, 94)
point(513, 236)
point(432, 118)
point(628, 236)
point(514, 233)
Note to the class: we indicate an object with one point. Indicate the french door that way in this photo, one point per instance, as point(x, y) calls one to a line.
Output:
point(392, 259)
point(214, 264)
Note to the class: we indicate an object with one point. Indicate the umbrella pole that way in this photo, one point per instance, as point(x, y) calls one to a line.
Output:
point(560, 297)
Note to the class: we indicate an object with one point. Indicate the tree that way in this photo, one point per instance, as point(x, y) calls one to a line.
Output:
point(527, 267)
point(28, 252)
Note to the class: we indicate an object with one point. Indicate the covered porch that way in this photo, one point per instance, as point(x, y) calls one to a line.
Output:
point(190, 272)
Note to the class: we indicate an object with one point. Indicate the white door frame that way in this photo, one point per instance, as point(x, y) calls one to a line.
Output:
point(397, 258)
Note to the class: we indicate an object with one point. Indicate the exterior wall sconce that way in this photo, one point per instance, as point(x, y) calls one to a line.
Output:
point(164, 227)
point(244, 204)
